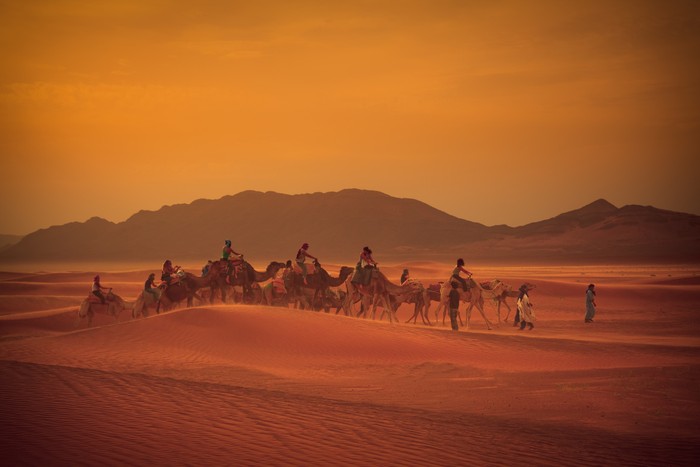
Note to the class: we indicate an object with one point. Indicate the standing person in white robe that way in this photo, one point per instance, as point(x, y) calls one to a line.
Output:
point(527, 314)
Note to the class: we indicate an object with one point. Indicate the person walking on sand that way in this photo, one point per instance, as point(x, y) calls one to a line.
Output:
point(97, 289)
point(590, 303)
point(454, 306)
point(527, 314)
point(302, 254)
point(522, 291)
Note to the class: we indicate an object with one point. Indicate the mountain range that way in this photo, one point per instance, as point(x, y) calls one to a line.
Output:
point(271, 226)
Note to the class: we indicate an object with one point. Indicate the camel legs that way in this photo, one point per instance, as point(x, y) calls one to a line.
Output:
point(375, 303)
point(389, 310)
point(420, 309)
point(416, 310)
point(138, 308)
point(437, 311)
point(267, 295)
point(481, 310)
point(114, 309)
point(364, 307)
point(443, 306)
point(505, 320)
point(347, 305)
point(424, 313)
point(386, 307)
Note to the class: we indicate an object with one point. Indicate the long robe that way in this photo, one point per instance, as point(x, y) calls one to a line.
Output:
point(527, 313)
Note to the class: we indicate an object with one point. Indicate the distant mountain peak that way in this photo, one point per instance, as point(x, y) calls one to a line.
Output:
point(599, 206)
point(598, 209)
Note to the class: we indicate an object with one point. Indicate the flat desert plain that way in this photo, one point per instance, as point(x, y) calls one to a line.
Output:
point(232, 384)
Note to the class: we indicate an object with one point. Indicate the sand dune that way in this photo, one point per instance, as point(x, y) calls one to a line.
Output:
point(237, 384)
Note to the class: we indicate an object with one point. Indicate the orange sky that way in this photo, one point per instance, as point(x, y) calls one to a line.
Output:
point(494, 111)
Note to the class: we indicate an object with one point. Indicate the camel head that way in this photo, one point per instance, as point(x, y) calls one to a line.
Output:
point(346, 271)
point(273, 267)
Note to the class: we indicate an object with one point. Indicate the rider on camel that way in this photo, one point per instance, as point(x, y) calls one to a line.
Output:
point(232, 263)
point(97, 289)
point(206, 268)
point(457, 277)
point(366, 260)
point(168, 271)
point(302, 254)
point(149, 285)
point(363, 270)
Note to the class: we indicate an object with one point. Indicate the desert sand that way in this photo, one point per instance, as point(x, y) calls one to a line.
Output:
point(230, 384)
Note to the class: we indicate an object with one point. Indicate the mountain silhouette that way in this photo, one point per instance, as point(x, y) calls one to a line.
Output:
point(271, 226)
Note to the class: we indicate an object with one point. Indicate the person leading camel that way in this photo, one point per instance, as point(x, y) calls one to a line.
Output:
point(527, 313)
point(522, 291)
point(97, 289)
point(302, 254)
point(454, 306)
point(457, 277)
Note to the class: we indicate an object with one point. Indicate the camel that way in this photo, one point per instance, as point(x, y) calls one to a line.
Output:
point(474, 297)
point(144, 301)
point(274, 297)
point(500, 292)
point(185, 288)
point(245, 278)
point(380, 289)
point(332, 298)
point(113, 306)
point(319, 281)
point(421, 301)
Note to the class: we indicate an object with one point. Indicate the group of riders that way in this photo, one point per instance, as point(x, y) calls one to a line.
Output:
point(171, 275)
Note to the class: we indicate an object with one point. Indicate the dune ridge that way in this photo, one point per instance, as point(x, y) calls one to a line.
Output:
point(238, 384)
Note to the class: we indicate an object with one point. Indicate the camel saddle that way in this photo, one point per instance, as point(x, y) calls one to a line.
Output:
point(362, 276)
point(92, 298)
point(459, 284)
point(233, 267)
point(278, 286)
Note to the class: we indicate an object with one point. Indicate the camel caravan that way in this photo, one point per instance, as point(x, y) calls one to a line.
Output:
point(293, 283)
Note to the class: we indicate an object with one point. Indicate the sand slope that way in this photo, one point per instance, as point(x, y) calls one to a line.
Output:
point(235, 384)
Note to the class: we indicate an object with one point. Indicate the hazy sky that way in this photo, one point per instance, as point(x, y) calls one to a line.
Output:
point(500, 112)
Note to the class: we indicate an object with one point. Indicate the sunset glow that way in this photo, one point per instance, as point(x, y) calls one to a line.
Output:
point(496, 112)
